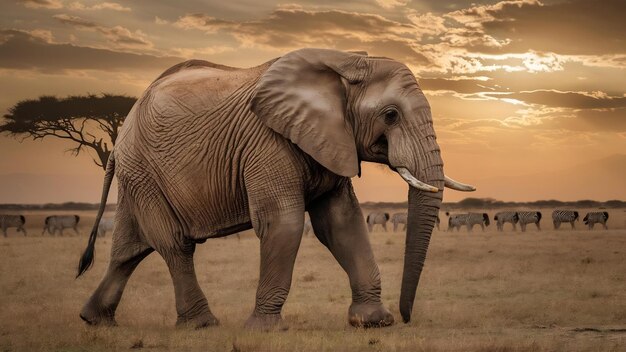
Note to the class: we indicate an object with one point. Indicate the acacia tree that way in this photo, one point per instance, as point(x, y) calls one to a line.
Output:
point(79, 119)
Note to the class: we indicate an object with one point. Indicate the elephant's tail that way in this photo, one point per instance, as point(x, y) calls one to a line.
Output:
point(368, 219)
point(86, 260)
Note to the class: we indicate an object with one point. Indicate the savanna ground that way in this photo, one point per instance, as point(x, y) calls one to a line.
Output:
point(538, 291)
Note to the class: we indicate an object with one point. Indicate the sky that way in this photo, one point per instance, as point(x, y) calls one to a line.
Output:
point(528, 97)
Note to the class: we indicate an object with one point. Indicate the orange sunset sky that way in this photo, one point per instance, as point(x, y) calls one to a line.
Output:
point(528, 97)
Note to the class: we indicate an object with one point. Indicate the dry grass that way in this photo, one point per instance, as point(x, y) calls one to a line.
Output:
point(539, 291)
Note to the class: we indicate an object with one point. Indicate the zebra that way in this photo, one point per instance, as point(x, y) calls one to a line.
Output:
point(559, 216)
point(596, 217)
point(399, 218)
point(106, 224)
point(503, 217)
point(16, 221)
point(60, 222)
point(455, 221)
point(469, 220)
point(377, 218)
point(402, 218)
point(529, 217)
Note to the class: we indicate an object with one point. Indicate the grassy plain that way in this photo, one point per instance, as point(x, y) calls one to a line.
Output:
point(485, 291)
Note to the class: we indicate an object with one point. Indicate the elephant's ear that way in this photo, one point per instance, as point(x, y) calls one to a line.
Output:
point(302, 97)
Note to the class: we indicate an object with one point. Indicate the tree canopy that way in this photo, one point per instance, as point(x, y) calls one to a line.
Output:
point(79, 119)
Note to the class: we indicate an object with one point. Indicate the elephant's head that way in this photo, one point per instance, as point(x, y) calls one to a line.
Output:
point(341, 108)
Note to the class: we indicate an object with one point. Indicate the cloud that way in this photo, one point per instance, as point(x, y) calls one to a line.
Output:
point(389, 4)
point(76, 5)
point(75, 21)
point(457, 42)
point(609, 60)
point(101, 6)
point(572, 100)
point(461, 125)
point(574, 27)
point(160, 21)
point(24, 50)
point(118, 35)
point(293, 27)
point(465, 86)
point(476, 16)
point(47, 4)
point(613, 120)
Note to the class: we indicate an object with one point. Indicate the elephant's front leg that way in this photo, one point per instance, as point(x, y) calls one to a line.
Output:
point(280, 232)
point(338, 223)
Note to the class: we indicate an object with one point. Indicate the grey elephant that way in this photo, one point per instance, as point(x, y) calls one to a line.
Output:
point(210, 150)
point(377, 218)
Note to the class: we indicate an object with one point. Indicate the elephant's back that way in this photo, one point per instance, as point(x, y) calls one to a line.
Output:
point(193, 91)
point(182, 101)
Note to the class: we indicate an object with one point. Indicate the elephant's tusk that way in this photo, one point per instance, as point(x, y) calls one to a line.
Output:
point(450, 183)
point(414, 182)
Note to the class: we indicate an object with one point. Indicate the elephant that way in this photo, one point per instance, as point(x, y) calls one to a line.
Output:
point(376, 218)
point(209, 150)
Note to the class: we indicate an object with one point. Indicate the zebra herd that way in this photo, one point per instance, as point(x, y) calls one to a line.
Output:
point(469, 220)
point(55, 223)
point(524, 218)
point(52, 224)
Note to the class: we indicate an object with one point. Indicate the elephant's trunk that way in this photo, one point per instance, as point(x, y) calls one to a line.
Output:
point(422, 216)
point(423, 210)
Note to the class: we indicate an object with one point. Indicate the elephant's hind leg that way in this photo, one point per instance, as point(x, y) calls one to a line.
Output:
point(192, 307)
point(163, 231)
point(127, 251)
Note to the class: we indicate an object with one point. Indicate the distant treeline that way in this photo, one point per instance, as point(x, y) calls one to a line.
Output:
point(56, 206)
point(475, 203)
point(490, 203)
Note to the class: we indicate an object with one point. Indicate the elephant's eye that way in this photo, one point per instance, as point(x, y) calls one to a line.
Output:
point(391, 116)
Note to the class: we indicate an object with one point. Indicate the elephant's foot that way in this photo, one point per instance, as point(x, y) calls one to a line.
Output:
point(369, 315)
point(203, 320)
point(97, 318)
point(265, 322)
